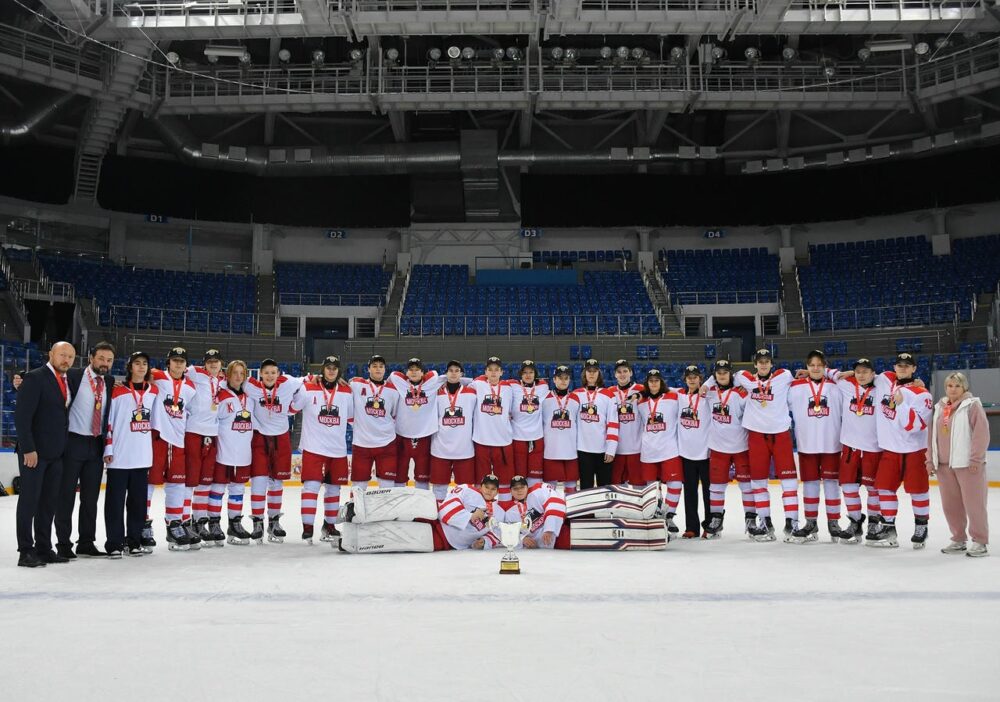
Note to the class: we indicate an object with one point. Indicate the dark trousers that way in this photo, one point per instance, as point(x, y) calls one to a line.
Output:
point(83, 463)
point(693, 472)
point(124, 506)
point(36, 503)
point(593, 470)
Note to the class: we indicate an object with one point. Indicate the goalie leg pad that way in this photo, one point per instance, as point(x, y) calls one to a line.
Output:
point(614, 502)
point(387, 537)
point(394, 504)
point(618, 535)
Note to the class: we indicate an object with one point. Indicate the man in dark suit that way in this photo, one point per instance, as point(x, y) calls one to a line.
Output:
point(83, 460)
point(42, 420)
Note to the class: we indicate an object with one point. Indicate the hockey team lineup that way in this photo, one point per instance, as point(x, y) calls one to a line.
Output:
point(441, 461)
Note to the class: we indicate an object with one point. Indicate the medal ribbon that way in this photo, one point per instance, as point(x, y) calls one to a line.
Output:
point(817, 394)
point(859, 399)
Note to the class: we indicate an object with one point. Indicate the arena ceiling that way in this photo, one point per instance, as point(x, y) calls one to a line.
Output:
point(488, 89)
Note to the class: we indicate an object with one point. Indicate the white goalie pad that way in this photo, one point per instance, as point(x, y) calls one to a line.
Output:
point(387, 537)
point(400, 504)
point(618, 535)
point(614, 502)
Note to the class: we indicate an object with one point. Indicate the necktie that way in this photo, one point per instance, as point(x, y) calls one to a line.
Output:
point(95, 422)
point(62, 387)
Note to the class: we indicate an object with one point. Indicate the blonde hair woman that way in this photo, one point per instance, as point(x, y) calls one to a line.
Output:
point(957, 442)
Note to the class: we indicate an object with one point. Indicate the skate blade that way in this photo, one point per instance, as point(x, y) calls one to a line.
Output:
point(114, 557)
point(235, 541)
point(147, 549)
point(763, 538)
point(135, 555)
point(850, 541)
point(178, 547)
point(258, 542)
point(882, 544)
point(195, 547)
point(276, 539)
point(917, 547)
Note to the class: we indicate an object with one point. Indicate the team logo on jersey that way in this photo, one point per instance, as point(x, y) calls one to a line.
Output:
point(888, 407)
point(820, 410)
point(535, 519)
point(561, 420)
point(453, 417)
point(626, 412)
point(492, 405)
point(374, 407)
point(867, 408)
point(720, 413)
point(329, 416)
point(588, 413)
point(274, 406)
point(140, 421)
point(689, 418)
point(174, 409)
point(243, 421)
point(529, 404)
point(761, 395)
point(416, 402)
point(655, 423)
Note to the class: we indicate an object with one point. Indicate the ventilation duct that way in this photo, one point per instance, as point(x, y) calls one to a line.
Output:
point(38, 119)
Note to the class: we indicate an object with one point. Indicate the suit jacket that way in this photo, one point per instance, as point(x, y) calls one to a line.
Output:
point(80, 448)
point(41, 415)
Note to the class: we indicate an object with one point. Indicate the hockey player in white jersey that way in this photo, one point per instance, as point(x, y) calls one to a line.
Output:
point(467, 514)
point(526, 422)
point(452, 450)
point(416, 421)
point(727, 444)
point(626, 395)
point(376, 403)
point(539, 507)
point(561, 410)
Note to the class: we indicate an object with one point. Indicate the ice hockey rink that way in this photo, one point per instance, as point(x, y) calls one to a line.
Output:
point(725, 619)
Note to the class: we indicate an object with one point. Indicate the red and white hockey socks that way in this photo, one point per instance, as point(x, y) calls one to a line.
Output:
point(275, 492)
point(810, 498)
point(761, 498)
point(672, 496)
point(215, 495)
point(831, 498)
point(790, 498)
point(888, 504)
point(258, 495)
point(310, 493)
point(852, 500)
point(236, 492)
point(173, 497)
point(331, 503)
point(749, 501)
point(199, 502)
point(717, 497)
point(874, 508)
point(921, 502)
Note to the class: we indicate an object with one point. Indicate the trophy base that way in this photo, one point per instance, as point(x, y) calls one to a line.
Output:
point(510, 568)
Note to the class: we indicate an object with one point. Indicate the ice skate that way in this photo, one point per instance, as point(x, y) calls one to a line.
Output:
point(257, 536)
point(873, 523)
point(804, 534)
point(146, 541)
point(713, 526)
point(216, 536)
point(884, 536)
point(919, 538)
point(193, 535)
point(275, 534)
point(756, 531)
point(177, 536)
point(307, 533)
point(201, 526)
point(135, 550)
point(238, 536)
point(672, 529)
point(791, 526)
point(836, 533)
point(855, 528)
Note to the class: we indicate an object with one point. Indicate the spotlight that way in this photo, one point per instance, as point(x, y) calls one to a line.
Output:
point(433, 56)
point(245, 58)
point(606, 52)
point(718, 53)
point(454, 53)
point(284, 55)
point(231, 51)
point(356, 55)
point(864, 53)
point(621, 53)
point(752, 54)
point(173, 58)
point(638, 53)
point(677, 55)
point(789, 54)
point(392, 54)
point(319, 56)
point(921, 48)
point(556, 52)
point(468, 53)
point(941, 43)
point(497, 55)
point(212, 58)
point(571, 55)
point(829, 70)
point(513, 53)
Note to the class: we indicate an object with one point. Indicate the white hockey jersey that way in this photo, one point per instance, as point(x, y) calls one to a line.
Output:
point(375, 409)
point(816, 408)
point(130, 440)
point(416, 416)
point(902, 428)
point(561, 420)
point(236, 427)
point(270, 406)
point(727, 433)
point(659, 418)
point(693, 426)
point(456, 414)
point(766, 409)
point(202, 418)
point(597, 431)
point(325, 415)
point(526, 420)
point(460, 529)
point(174, 398)
point(543, 511)
point(629, 429)
point(495, 408)
point(858, 424)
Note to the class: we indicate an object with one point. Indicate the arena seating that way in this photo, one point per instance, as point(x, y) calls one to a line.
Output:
point(570, 257)
point(895, 282)
point(156, 299)
point(305, 283)
point(724, 276)
point(440, 300)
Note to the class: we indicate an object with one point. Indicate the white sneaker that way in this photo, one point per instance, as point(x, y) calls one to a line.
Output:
point(954, 548)
point(977, 550)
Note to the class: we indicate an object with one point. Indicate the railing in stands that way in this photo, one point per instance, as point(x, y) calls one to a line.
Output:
point(123, 317)
point(509, 325)
point(53, 290)
point(945, 312)
point(725, 297)
point(332, 300)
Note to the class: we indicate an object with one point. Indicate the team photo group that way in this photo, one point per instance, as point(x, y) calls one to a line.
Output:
point(440, 461)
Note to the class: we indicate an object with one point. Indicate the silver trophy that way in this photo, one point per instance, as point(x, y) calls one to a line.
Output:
point(510, 537)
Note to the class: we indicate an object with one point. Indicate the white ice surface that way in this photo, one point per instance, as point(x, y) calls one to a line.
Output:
point(725, 619)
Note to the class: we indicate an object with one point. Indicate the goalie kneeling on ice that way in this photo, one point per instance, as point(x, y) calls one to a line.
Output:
point(617, 535)
point(614, 502)
point(398, 504)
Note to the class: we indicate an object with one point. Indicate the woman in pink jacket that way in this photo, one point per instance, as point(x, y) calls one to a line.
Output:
point(957, 442)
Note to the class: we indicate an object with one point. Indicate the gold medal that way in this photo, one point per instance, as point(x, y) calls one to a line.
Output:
point(859, 412)
point(215, 406)
point(375, 404)
point(138, 416)
point(531, 408)
point(415, 407)
point(763, 403)
point(591, 411)
point(174, 408)
point(97, 405)
point(816, 408)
